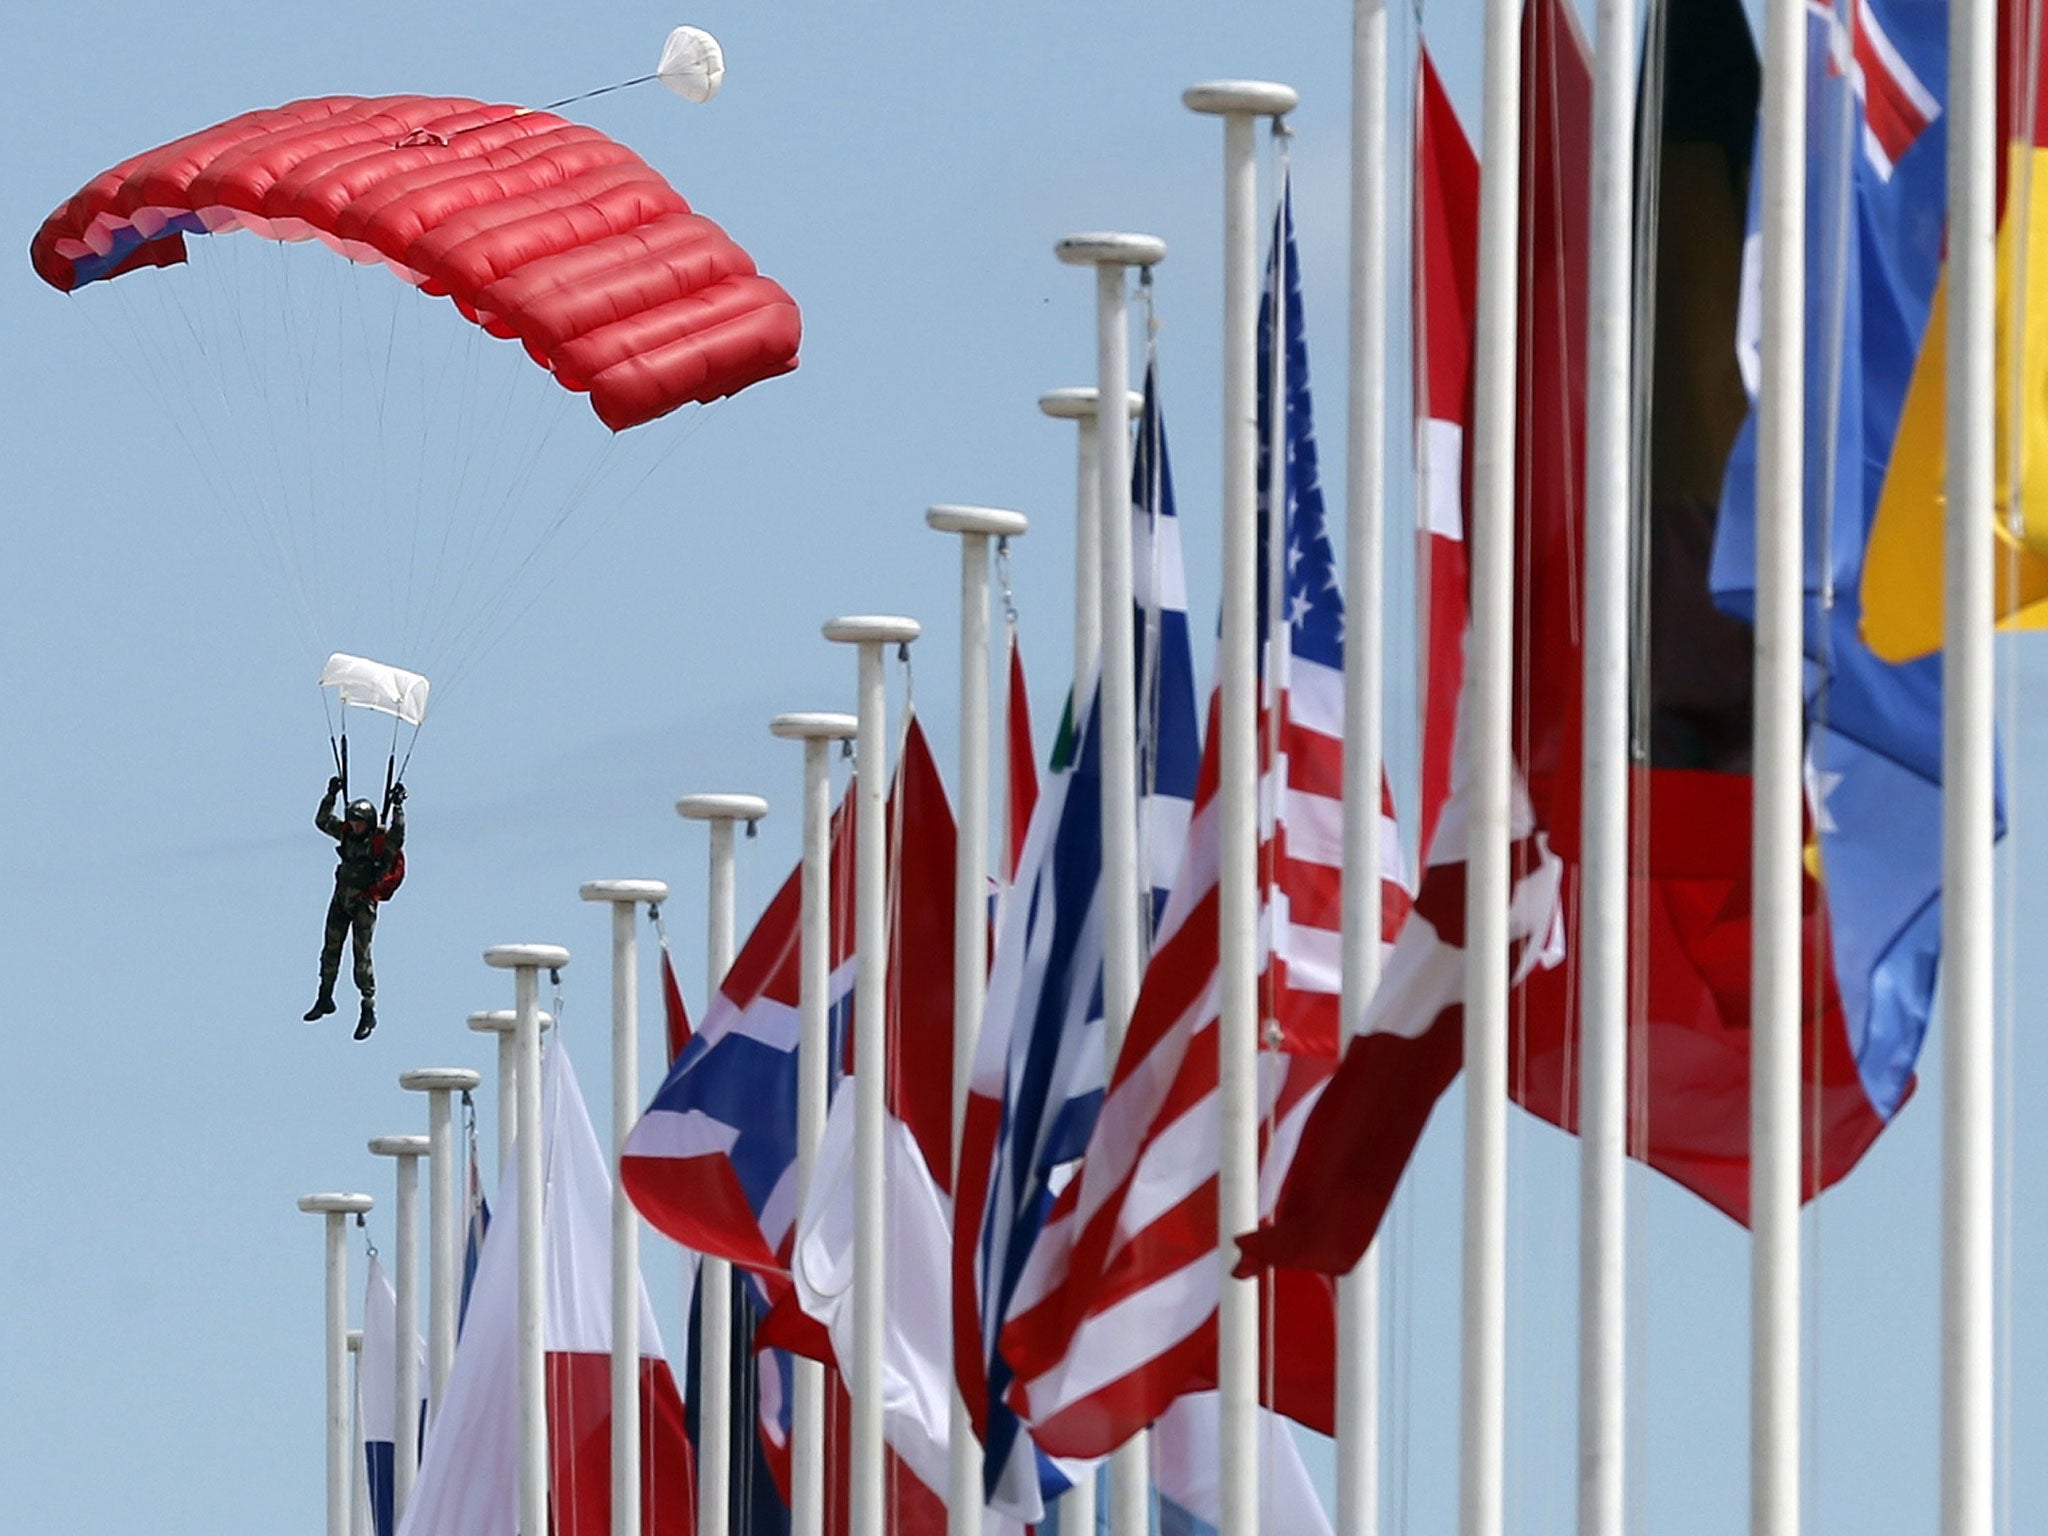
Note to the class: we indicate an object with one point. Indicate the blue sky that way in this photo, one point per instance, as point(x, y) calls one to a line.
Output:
point(904, 171)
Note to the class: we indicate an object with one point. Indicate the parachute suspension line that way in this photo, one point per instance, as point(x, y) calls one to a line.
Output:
point(602, 90)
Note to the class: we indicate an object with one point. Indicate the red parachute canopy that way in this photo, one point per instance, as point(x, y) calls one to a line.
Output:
point(536, 227)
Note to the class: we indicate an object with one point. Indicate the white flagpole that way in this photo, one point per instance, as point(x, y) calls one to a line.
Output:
point(444, 1243)
point(1124, 915)
point(406, 1152)
point(1076, 403)
point(714, 1275)
point(871, 1059)
point(504, 1023)
point(1604, 787)
point(975, 527)
point(359, 1471)
point(1482, 1375)
point(525, 962)
point(625, 897)
point(1777, 832)
point(1358, 1360)
point(817, 731)
point(337, 1209)
point(1968, 1111)
point(1239, 102)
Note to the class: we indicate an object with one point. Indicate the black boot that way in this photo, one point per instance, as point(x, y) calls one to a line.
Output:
point(368, 1021)
point(322, 1008)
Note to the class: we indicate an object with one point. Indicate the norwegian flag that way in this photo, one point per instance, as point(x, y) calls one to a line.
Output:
point(1896, 106)
point(1114, 1317)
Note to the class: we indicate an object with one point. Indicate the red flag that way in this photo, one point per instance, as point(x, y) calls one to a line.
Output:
point(1022, 763)
point(674, 1015)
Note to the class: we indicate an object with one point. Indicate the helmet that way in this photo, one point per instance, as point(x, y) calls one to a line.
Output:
point(362, 810)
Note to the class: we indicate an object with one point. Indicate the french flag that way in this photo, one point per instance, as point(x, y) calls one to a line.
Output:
point(377, 1393)
point(468, 1480)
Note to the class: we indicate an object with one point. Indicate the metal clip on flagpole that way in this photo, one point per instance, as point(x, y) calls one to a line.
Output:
point(714, 1275)
point(1123, 915)
point(817, 731)
point(975, 527)
point(1077, 404)
point(504, 1023)
point(870, 633)
point(1239, 103)
point(337, 1208)
point(526, 962)
point(444, 1244)
point(406, 1152)
point(625, 897)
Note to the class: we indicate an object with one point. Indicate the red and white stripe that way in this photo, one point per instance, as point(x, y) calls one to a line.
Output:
point(1115, 1317)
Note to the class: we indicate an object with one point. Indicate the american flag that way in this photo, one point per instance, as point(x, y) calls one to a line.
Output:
point(1114, 1315)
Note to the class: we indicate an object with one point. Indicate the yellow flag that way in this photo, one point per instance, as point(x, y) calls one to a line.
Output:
point(1903, 565)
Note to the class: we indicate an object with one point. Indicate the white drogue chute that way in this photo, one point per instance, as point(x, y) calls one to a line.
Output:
point(389, 691)
point(692, 64)
point(373, 685)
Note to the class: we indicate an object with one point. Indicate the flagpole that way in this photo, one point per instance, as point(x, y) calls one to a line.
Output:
point(1238, 102)
point(444, 1248)
point(871, 1058)
point(337, 1209)
point(1358, 1308)
point(359, 1471)
point(714, 1275)
point(406, 1152)
point(504, 1023)
point(1777, 829)
point(1968, 1118)
point(975, 527)
point(1604, 789)
point(817, 731)
point(1111, 254)
point(1482, 1378)
point(1077, 403)
point(625, 897)
point(525, 962)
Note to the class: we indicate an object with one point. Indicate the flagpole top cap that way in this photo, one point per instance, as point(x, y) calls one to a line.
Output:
point(400, 1146)
point(449, 1079)
point(624, 892)
point(815, 725)
point(1107, 248)
point(721, 807)
point(993, 522)
point(514, 957)
point(502, 1021)
point(1253, 98)
point(336, 1205)
point(872, 629)
point(1077, 402)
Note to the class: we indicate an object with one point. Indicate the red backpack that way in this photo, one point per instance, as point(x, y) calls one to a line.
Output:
point(393, 877)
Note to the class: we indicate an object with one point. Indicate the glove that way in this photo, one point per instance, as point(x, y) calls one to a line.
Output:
point(398, 794)
point(334, 785)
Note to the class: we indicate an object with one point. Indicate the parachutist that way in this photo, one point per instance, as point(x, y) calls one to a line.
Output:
point(371, 857)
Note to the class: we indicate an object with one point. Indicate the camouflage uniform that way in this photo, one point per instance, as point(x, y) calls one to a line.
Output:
point(353, 910)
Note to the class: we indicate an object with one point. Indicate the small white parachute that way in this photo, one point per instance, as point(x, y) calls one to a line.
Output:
point(373, 685)
point(692, 64)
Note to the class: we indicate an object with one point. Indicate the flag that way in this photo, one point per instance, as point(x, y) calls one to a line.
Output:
point(1019, 761)
point(476, 1221)
point(1876, 190)
point(1039, 1071)
point(712, 1162)
point(918, 1150)
point(468, 1480)
point(377, 1394)
point(1188, 1480)
point(1408, 1047)
point(675, 1018)
point(1113, 1315)
point(1902, 589)
point(1169, 732)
